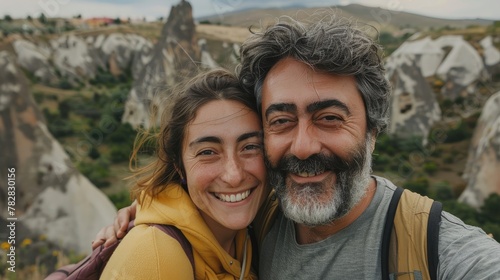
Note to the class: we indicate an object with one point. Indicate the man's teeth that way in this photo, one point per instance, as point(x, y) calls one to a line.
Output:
point(308, 174)
point(232, 197)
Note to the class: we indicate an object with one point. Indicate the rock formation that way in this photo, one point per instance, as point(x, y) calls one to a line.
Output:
point(424, 52)
point(414, 108)
point(77, 59)
point(120, 52)
point(36, 60)
point(483, 163)
point(72, 58)
point(490, 53)
point(175, 57)
point(491, 56)
point(206, 59)
point(461, 68)
point(52, 197)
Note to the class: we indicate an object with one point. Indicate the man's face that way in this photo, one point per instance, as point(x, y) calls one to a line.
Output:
point(317, 148)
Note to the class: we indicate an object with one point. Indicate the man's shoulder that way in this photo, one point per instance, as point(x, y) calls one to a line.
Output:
point(466, 250)
point(384, 183)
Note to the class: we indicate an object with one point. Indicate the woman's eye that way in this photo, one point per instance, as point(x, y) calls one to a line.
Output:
point(253, 147)
point(205, 153)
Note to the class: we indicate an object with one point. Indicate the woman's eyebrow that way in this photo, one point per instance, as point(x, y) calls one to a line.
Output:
point(249, 135)
point(211, 139)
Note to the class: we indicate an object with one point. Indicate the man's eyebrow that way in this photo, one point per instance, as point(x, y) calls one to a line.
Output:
point(319, 105)
point(211, 139)
point(249, 135)
point(281, 107)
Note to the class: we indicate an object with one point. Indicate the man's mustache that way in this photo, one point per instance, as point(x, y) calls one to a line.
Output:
point(317, 163)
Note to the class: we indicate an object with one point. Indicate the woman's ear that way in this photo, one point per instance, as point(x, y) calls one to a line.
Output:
point(181, 174)
point(178, 170)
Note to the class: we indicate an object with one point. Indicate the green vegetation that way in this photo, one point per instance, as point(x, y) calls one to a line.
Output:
point(89, 126)
point(420, 169)
point(391, 42)
point(97, 171)
point(121, 200)
point(36, 257)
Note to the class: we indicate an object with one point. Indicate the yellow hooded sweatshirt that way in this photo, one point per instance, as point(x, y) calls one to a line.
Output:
point(148, 253)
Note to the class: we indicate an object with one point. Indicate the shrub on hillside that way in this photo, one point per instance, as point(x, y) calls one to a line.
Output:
point(443, 192)
point(120, 153)
point(60, 127)
point(120, 200)
point(489, 210)
point(96, 171)
point(430, 167)
point(419, 185)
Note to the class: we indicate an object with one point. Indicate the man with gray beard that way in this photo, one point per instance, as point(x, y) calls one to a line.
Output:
point(324, 100)
point(353, 176)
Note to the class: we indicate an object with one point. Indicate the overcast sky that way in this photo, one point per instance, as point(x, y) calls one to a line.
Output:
point(152, 9)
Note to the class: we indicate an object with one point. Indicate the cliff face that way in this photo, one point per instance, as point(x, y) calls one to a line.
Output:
point(461, 69)
point(451, 59)
point(483, 164)
point(52, 197)
point(36, 60)
point(491, 56)
point(77, 59)
point(174, 58)
point(414, 107)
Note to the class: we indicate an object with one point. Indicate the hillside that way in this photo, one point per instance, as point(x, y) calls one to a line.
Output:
point(388, 20)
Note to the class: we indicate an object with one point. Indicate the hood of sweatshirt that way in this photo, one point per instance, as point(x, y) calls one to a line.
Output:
point(173, 206)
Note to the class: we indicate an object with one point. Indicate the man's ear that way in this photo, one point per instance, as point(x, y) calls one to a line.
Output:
point(373, 140)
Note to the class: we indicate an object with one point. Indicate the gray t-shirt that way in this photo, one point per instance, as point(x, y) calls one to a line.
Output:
point(465, 252)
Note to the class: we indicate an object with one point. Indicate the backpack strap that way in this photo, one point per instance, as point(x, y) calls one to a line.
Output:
point(179, 236)
point(433, 238)
point(388, 226)
point(415, 217)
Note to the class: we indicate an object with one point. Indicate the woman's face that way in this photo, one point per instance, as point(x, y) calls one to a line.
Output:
point(224, 164)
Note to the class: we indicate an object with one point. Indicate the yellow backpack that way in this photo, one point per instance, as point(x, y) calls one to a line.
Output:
point(410, 238)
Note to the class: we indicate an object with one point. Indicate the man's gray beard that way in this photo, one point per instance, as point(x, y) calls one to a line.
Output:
point(305, 208)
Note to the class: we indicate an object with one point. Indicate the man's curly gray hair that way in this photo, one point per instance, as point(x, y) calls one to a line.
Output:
point(331, 45)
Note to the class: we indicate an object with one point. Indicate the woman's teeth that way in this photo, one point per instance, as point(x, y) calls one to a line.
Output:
point(232, 197)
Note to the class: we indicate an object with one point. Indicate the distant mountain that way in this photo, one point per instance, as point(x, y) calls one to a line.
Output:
point(382, 18)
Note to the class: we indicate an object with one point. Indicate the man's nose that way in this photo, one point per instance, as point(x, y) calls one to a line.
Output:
point(233, 173)
point(305, 143)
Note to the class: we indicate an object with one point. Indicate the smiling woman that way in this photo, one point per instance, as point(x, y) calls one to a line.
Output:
point(208, 181)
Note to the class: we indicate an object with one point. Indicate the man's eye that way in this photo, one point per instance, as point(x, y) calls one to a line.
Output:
point(331, 118)
point(280, 121)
